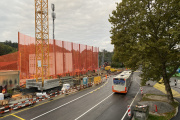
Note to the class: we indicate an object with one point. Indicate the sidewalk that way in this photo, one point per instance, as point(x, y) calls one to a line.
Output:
point(159, 89)
point(175, 89)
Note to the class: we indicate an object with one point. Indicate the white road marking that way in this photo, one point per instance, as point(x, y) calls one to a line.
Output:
point(93, 107)
point(130, 105)
point(137, 82)
point(60, 106)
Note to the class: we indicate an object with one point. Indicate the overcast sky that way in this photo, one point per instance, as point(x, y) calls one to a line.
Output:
point(78, 21)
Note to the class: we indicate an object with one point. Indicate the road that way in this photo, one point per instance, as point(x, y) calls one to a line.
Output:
point(96, 103)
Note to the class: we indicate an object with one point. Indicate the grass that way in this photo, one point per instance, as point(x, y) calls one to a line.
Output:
point(155, 94)
point(175, 104)
point(146, 99)
point(149, 99)
point(170, 114)
point(167, 116)
point(155, 117)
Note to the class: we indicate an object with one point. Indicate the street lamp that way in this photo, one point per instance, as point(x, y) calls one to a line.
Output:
point(54, 17)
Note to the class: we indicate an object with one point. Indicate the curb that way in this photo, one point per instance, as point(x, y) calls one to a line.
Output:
point(176, 109)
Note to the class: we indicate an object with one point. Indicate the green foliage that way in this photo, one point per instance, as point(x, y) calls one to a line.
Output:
point(107, 56)
point(144, 33)
point(14, 45)
point(154, 117)
point(117, 65)
point(6, 49)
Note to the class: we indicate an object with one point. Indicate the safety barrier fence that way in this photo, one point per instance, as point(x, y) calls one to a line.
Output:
point(9, 61)
point(64, 58)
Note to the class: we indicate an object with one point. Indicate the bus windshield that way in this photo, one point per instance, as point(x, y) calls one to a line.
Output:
point(118, 81)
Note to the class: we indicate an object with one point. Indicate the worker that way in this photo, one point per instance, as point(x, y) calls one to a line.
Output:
point(4, 90)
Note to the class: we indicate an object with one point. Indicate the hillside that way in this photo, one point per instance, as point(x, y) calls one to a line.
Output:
point(8, 47)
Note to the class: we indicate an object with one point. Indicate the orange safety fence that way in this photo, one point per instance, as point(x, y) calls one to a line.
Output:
point(9, 61)
point(64, 57)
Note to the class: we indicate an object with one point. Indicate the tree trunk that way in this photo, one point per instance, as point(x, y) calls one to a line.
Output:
point(168, 89)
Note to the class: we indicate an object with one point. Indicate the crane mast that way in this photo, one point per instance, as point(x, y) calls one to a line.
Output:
point(42, 40)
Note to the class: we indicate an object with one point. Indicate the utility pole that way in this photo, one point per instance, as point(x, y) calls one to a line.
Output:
point(102, 60)
point(98, 61)
point(54, 17)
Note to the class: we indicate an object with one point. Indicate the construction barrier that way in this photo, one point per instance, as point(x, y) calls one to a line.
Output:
point(141, 90)
point(129, 110)
point(65, 58)
point(97, 80)
point(32, 101)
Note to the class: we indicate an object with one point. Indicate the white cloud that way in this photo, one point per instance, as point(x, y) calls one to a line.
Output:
point(78, 21)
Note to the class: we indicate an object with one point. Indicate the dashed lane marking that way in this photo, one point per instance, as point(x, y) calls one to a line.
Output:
point(94, 106)
point(99, 87)
point(61, 106)
point(18, 117)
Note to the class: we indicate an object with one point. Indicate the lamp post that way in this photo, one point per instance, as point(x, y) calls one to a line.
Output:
point(54, 17)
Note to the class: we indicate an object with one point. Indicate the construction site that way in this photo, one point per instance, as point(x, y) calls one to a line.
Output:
point(44, 68)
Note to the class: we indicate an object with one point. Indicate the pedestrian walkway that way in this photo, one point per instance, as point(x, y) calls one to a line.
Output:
point(160, 86)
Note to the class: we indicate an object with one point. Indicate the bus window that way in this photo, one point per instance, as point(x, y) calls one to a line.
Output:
point(118, 81)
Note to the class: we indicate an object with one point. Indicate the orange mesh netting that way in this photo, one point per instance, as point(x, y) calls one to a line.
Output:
point(64, 58)
point(9, 61)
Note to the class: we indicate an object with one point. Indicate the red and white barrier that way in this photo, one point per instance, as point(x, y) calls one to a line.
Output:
point(141, 90)
point(129, 110)
point(38, 99)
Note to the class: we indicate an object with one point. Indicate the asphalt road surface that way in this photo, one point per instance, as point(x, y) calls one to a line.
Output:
point(96, 103)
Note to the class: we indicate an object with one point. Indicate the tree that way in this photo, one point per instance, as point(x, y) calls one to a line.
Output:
point(107, 56)
point(145, 32)
point(6, 49)
point(14, 44)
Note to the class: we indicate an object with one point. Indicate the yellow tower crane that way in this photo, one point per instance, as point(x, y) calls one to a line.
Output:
point(42, 40)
